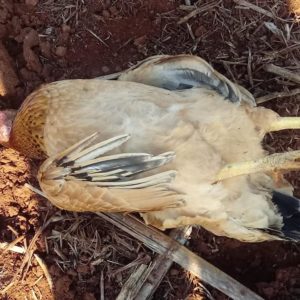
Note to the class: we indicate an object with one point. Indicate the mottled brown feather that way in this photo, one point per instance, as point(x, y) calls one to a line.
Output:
point(27, 135)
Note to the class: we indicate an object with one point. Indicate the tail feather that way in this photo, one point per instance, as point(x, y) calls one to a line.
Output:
point(289, 208)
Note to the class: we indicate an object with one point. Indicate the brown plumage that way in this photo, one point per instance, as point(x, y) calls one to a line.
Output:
point(27, 134)
point(224, 181)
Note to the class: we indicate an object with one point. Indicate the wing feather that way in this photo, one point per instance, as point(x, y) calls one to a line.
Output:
point(182, 72)
point(81, 179)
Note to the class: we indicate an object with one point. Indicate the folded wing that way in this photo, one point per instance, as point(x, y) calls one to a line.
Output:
point(82, 179)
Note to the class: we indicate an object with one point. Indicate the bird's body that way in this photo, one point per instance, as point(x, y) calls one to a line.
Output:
point(205, 135)
point(206, 132)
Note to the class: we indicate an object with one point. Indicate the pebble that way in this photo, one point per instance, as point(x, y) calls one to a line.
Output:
point(61, 51)
point(3, 31)
point(174, 272)
point(65, 28)
point(45, 48)
point(89, 296)
point(107, 3)
point(31, 2)
point(105, 69)
point(105, 13)
point(49, 30)
point(200, 31)
point(113, 10)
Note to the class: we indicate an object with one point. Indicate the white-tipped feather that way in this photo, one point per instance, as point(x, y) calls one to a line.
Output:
point(98, 149)
point(80, 180)
point(83, 163)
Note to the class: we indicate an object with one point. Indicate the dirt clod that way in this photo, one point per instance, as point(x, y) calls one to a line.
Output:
point(31, 2)
point(61, 51)
point(31, 40)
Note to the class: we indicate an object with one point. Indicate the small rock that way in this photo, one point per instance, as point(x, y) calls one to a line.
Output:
point(65, 28)
point(89, 296)
point(46, 72)
point(31, 40)
point(140, 43)
point(16, 24)
point(107, 3)
point(269, 292)
point(113, 10)
point(83, 269)
point(118, 69)
point(12, 211)
point(105, 13)
point(71, 272)
point(61, 51)
point(8, 77)
point(200, 31)
point(174, 272)
point(31, 2)
point(45, 48)
point(105, 69)
point(28, 75)
point(49, 30)
point(3, 31)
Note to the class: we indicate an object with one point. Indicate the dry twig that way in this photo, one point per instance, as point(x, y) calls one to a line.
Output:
point(282, 72)
point(254, 7)
point(277, 95)
point(198, 11)
point(97, 37)
point(45, 270)
point(27, 257)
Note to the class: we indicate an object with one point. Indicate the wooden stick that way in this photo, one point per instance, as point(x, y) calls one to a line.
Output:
point(134, 283)
point(254, 7)
point(197, 11)
point(277, 95)
point(102, 296)
point(282, 72)
point(142, 284)
point(161, 265)
point(160, 243)
point(45, 270)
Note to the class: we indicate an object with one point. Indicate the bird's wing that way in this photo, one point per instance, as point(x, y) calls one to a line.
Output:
point(182, 72)
point(82, 179)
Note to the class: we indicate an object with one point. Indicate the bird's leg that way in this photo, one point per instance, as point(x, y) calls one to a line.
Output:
point(278, 162)
point(284, 123)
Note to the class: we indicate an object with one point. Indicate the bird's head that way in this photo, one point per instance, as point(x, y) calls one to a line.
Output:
point(6, 120)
